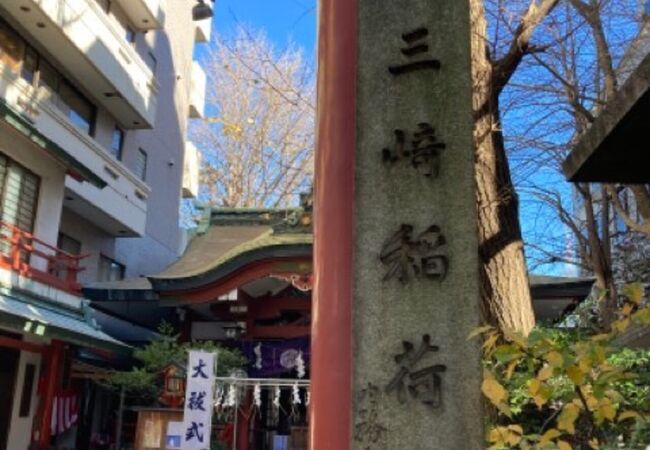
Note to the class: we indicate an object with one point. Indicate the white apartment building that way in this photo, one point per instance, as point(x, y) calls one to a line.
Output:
point(95, 99)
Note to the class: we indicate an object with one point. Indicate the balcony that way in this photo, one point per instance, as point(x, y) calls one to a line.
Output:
point(29, 257)
point(197, 93)
point(81, 38)
point(144, 14)
point(120, 208)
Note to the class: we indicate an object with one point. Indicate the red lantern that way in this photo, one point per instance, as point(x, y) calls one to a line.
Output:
point(173, 386)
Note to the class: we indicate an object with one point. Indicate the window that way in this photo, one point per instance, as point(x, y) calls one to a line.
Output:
point(141, 164)
point(152, 62)
point(11, 48)
point(78, 109)
point(117, 142)
point(48, 77)
point(18, 194)
point(18, 200)
point(30, 65)
point(110, 270)
point(37, 71)
point(68, 244)
point(28, 387)
point(129, 34)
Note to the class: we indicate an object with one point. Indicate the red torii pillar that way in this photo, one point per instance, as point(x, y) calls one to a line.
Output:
point(331, 384)
point(42, 431)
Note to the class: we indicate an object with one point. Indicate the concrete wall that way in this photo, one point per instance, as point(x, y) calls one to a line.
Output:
point(173, 49)
point(94, 242)
point(164, 144)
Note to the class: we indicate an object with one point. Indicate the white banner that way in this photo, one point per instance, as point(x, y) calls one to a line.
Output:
point(197, 417)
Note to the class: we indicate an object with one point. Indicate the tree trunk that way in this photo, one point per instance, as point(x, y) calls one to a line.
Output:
point(505, 292)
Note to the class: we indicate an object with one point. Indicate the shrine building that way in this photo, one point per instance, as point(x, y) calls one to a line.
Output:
point(244, 281)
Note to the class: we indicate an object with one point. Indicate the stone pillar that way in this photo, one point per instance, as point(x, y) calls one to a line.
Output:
point(396, 253)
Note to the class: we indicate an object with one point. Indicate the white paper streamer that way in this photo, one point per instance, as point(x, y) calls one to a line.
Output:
point(258, 356)
point(295, 391)
point(300, 366)
point(276, 397)
point(257, 395)
point(232, 396)
point(218, 401)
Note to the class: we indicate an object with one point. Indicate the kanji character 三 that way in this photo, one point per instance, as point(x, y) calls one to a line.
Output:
point(415, 47)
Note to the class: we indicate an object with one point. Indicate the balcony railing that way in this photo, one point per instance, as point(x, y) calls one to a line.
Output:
point(30, 257)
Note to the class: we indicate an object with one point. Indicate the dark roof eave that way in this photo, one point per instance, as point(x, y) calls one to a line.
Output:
point(573, 289)
point(605, 152)
point(240, 261)
point(118, 295)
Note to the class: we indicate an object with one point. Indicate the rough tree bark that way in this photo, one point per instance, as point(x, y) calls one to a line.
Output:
point(505, 292)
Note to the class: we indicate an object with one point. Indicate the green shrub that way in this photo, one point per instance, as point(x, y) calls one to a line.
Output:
point(569, 389)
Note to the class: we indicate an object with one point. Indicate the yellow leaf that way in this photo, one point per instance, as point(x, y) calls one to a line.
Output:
point(621, 325)
point(567, 418)
point(576, 375)
point(479, 330)
point(511, 368)
point(627, 415)
point(533, 386)
point(550, 434)
point(554, 358)
point(604, 411)
point(594, 444)
point(634, 292)
point(504, 409)
point(599, 354)
point(626, 309)
point(545, 373)
point(562, 445)
point(516, 337)
point(585, 364)
point(600, 337)
point(499, 436)
point(642, 316)
point(490, 342)
point(543, 395)
point(493, 390)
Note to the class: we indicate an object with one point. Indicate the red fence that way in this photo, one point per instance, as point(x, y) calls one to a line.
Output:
point(29, 256)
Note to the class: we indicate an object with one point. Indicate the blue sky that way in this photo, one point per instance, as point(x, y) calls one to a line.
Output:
point(283, 20)
point(295, 21)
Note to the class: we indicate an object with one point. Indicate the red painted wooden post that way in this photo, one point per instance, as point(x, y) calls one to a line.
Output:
point(333, 227)
point(244, 422)
point(16, 240)
point(52, 376)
